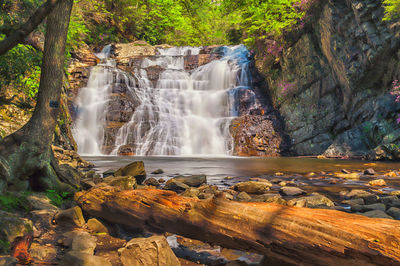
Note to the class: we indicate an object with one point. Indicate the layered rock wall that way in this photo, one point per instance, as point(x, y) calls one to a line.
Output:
point(331, 84)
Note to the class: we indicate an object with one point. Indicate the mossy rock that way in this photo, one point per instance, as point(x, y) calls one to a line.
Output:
point(11, 227)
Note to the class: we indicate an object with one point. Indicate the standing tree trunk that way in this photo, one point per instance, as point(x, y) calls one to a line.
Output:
point(25, 156)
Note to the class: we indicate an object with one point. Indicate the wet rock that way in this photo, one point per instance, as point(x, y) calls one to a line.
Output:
point(192, 181)
point(191, 192)
point(205, 195)
point(70, 217)
point(394, 212)
point(253, 187)
point(151, 182)
point(344, 171)
point(226, 195)
point(42, 253)
point(352, 176)
point(276, 180)
point(123, 182)
point(161, 180)
point(42, 219)
point(176, 186)
point(158, 172)
point(8, 261)
point(135, 169)
point(389, 200)
point(13, 226)
point(109, 172)
point(377, 214)
point(270, 198)
point(243, 196)
point(353, 202)
point(370, 207)
point(291, 191)
point(82, 259)
point(312, 201)
point(148, 251)
point(368, 197)
point(377, 182)
point(369, 171)
point(96, 226)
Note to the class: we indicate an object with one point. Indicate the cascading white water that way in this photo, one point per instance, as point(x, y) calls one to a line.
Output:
point(88, 130)
point(184, 114)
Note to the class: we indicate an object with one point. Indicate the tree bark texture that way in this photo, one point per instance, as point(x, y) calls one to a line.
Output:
point(19, 35)
point(25, 156)
point(285, 235)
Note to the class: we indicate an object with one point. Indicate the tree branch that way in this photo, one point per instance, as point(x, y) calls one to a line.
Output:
point(19, 35)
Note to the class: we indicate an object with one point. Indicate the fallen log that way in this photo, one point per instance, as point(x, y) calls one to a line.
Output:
point(285, 235)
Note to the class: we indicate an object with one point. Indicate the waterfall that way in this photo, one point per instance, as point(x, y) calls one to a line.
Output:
point(182, 113)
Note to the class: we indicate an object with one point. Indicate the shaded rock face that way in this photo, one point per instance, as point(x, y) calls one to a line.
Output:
point(332, 83)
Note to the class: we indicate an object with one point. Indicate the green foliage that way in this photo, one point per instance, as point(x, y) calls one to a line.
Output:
point(392, 9)
point(12, 202)
point(57, 198)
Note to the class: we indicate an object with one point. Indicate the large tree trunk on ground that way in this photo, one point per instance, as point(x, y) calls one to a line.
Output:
point(285, 235)
point(25, 156)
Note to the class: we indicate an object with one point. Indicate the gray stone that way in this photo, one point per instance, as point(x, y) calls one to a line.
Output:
point(253, 187)
point(377, 214)
point(148, 251)
point(370, 207)
point(369, 171)
point(192, 181)
point(291, 191)
point(176, 186)
point(157, 172)
point(353, 202)
point(394, 212)
point(42, 253)
point(151, 182)
point(389, 200)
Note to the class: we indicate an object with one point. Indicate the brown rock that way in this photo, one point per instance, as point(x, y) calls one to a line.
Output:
point(253, 187)
point(377, 182)
point(96, 226)
point(135, 169)
point(148, 251)
point(70, 217)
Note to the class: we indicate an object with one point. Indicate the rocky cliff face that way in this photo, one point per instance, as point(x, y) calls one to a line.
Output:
point(331, 84)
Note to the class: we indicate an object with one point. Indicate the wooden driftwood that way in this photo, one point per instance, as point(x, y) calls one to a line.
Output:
point(285, 235)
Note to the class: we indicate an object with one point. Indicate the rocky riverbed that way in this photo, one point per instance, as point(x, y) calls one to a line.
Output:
point(44, 233)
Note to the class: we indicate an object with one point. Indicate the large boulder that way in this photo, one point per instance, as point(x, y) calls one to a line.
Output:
point(147, 252)
point(253, 187)
point(191, 181)
point(135, 169)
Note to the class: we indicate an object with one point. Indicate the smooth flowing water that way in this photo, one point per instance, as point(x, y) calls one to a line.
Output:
point(184, 113)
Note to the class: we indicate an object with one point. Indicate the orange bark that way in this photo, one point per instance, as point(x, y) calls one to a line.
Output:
point(283, 234)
